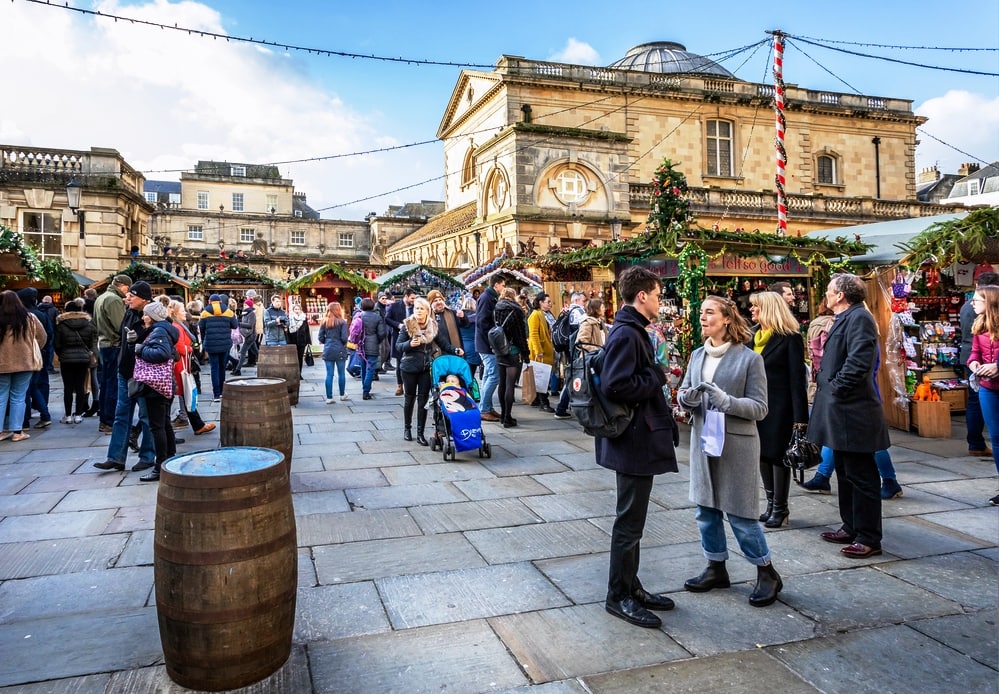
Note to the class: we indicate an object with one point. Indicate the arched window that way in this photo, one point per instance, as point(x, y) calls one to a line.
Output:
point(719, 153)
point(468, 167)
point(826, 169)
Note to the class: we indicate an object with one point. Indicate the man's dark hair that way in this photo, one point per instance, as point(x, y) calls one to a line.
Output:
point(779, 287)
point(497, 278)
point(987, 278)
point(367, 303)
point(410, 291)
point(853, 288)
point(636, 279)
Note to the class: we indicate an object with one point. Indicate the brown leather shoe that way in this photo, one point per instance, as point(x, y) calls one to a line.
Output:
point(490, 417)
point(839, 537)
point(398, 389)
point(859, 551)
point(982, 453)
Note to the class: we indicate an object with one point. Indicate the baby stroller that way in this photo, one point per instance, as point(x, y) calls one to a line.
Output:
point(457, 421)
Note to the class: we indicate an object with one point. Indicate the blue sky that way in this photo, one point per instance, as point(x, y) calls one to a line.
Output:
point(166, 99)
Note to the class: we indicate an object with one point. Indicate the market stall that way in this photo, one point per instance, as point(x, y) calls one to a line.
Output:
point(21, 267)
point(235, 281)
point(331, 282)
point(422, 278)
point(161, 281)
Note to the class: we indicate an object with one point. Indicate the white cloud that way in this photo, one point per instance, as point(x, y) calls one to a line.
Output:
point(966, 120)
point(166, 99)
point(577, 53)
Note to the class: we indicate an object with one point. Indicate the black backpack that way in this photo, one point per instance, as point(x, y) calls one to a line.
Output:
point(564, 332)
point(496, 337)
point(598, 415)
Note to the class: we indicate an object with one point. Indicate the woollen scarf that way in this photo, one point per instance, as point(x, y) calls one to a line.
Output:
point(761, 338)
point(427, 332)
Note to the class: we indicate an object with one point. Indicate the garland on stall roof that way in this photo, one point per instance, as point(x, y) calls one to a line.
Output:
point(693, 269)
point(235, 271)
point(309, 279)
point(13, 242)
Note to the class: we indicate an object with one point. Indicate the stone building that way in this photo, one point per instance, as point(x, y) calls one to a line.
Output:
point(540, 154)
point(112, 215)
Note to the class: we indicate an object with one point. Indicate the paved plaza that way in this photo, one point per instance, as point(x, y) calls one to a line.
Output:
point(419, 575)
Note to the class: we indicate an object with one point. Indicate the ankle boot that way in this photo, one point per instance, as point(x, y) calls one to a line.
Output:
point(408, 435)
point(768, 584)
point(819, 483)
point(420, 439)
point(770, 506)
point(779, 514)
point(714, 576)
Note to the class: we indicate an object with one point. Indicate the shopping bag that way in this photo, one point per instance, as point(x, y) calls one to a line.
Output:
point(713, 433)
point(542, 376)
point(190, 387)
point(528, 390)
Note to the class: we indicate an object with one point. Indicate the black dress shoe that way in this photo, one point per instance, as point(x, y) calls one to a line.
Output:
point(630, 611)
point(110, 465)
point(151, 476)
point(421, 439)
point(714, 576)
point(142, 465)
point(653, 601)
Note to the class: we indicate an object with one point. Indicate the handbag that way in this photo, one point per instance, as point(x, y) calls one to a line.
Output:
point(713, 433)
point(36, 356)
point(159, 377)
point(801, 454)
point(309, 359)
point(529, 390)
point(93, 359)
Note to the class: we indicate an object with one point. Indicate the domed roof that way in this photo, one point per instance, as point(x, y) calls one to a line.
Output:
point(668, 57)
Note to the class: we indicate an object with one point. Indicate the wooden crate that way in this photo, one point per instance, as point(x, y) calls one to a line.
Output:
point(956, 397)
point(931, 419)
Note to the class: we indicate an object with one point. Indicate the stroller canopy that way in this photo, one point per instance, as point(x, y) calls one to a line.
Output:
point(448, 364)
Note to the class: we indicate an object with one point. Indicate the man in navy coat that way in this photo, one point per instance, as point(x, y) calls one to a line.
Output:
point(631, 376)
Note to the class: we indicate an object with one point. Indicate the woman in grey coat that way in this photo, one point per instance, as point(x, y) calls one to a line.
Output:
point(727, 375)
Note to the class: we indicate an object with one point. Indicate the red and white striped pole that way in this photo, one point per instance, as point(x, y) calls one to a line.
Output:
point(781, 178)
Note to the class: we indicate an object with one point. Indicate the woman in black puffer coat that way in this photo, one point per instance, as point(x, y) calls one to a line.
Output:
point(75, 340)
point(510, 316)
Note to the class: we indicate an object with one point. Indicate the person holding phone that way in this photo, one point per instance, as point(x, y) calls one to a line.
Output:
point(275, 323)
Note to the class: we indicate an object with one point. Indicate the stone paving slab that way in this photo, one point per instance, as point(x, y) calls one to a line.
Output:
point(418, 600)
point(26, 503)
point(323, 480)
point(906, 661)
point(131, 518)
point(114, 497)
point(980, 523)
point(466, 658)
point(664, 527)
point(958, 577)
point(558, 507)
point(579, 641)
point(595, 480)
point(577, 461)
point(562, 687)
point(138, 550)
point(435, 472)
point(910, 537)
point(967, 491)
point(473, 515)
point(13, 484)
point(966, 466)
point(916, 500)
point(38, 650)
point(528, 465)
point(865, 596)
point(335, 528)
point(306, 569)
point(327, 451)
point(325, 613)
point(731, 672)
point(322, 438)
point(802, 551)
point(91, 684)
point(43, 465)
point(54, 525)
point(334, 501)
point(669, 492)
point(306, 464)
point(66, 483)
point(972, 634)
point(501, 487)
point(409, 495)
point(45, 557)
point(79, 593)
point(812, 511)
point(360, 561)
point(548, 447)
point(543, 541)
point(354, 461)
point(917, 472)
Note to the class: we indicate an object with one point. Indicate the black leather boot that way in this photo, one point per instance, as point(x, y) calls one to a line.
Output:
point(420, 438)
point(408, 435)
point(715, 576)
point(765, 516)
point(767, 475)
point(780, 514)
point(768, 584)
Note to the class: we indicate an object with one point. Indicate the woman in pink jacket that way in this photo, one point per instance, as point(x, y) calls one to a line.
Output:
point(982, 362)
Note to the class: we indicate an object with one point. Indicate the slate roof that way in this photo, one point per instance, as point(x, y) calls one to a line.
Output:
point(458, 219)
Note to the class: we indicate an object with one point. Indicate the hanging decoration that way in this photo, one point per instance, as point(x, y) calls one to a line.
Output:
point(781, 178)
point(11, 242)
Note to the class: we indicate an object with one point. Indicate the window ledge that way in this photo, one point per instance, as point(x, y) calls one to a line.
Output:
point(831, 186)
point(709, 177)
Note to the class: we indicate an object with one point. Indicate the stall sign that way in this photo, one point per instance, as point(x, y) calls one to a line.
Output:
point(732, 265)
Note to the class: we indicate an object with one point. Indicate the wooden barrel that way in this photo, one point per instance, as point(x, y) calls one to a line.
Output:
point(226, 566)
point(255, 412)
point(280, 361)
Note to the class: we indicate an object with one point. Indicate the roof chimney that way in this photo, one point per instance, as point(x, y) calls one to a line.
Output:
point(929, 175)
point(967, 169)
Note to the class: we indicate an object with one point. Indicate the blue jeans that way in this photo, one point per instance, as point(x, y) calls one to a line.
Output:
point(124, 407)
point(340, 365)
point(217, 360)
point(881, 458)
point(747, 531)
point(490, 381)
point(109, 384)
point(974, 419)
point(37, 397)
point(989, 400)
point(13, 391)
point(369, 365)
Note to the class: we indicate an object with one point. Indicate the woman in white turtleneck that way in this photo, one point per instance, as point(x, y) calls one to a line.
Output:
point(727, 375)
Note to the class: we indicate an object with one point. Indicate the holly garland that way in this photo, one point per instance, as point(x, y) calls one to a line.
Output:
point(234, 271)
point(309, 279)
point(693, 268)
point(13, 242)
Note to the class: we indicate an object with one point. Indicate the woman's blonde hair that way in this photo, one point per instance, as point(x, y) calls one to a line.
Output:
point(774, 313)
point(988, 320)
point(413, 326)
point(510, 294)
point(174, 308)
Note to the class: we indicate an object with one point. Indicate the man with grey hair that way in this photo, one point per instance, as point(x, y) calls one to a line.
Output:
point(848, 417)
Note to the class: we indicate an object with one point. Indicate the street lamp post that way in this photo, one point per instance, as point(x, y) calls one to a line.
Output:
point(478, 243)
point(615, 227)
point(73, 194)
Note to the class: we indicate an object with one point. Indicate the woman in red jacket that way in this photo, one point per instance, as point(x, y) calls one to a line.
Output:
point(185, 347)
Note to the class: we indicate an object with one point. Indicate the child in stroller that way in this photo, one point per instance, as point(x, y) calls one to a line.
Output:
point(457, 421)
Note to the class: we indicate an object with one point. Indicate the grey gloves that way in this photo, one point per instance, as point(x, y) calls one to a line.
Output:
point(131, 336)
point(718, 398)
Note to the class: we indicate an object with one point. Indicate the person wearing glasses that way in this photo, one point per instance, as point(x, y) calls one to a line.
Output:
point(982, 362)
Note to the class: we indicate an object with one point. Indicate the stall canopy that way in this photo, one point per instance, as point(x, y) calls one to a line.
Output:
point(147, 273)
point(311, 278)
point(420, 276)
point(236, 276)
point(886, 237)
point(480, 276)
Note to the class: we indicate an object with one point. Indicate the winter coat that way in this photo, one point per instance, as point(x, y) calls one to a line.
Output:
point(29, 297)
point(484, 319)
point(16, 354)
point(447, 325)
point(417, 359)
point(334, 341)
point(466, 326)
point(509, 315)
point(967, 321)
point(374, 332)
point(248, 322)
point(539, 338)
point(75, 338)
point(731, 482)
point(126, 355)
point(216, 326)
point(591, 332)
point(630, 376)
point(394, 316)
point(109, 310)
point(787, 398)
point(984, 350)
point(274, 331)
point(184, 350)
point(847, 415)
point(159, 344)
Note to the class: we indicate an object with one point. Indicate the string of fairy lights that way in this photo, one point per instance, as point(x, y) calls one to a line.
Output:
point(791, 40)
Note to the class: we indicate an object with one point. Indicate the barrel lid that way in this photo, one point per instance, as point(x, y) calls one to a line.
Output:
point(234, 460)
point(254, 382)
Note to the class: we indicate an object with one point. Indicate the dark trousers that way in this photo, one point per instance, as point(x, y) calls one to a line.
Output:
point(508, 376)
point(859, 496)
point(109, 384)
point(74, 380)
point(37, 398)
point(416, 387)
point(217, 360)
point(633, 493)
point(158, 409)
point(973, 418)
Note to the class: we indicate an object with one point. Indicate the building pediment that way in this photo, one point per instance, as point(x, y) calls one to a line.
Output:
point(469, 92)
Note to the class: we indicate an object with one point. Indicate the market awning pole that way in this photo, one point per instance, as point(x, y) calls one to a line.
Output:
point(781, 123)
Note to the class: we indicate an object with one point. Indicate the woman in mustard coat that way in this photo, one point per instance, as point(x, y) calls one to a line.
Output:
point(539, 342)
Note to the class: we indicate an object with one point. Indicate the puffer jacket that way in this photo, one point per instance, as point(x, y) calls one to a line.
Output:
point(417, 359)
point(334, 341)
point(75, 337)
point(509, 315)
point(216, 327)
point(374, 332)
point(159, 345)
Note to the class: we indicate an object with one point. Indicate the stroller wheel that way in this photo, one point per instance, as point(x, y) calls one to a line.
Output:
point(486, 451)
point(449, 452)
point(435, 442)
